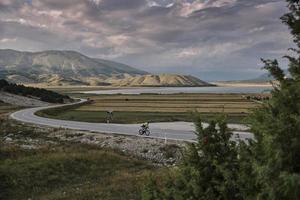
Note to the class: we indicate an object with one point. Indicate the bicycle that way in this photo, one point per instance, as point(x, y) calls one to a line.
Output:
point(144, 131)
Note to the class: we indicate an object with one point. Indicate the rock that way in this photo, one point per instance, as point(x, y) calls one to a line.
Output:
point(29, 147)
point(8, 139)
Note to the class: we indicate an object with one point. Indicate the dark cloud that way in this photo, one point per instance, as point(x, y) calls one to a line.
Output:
point(210, 38)
point(111, 5)
point(155, 12)
point(58, 4)
point(11, 6)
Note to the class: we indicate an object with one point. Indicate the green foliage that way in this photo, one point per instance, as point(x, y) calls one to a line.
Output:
point(42, 94)
point(47, 172)
point(267, 168)
point(3, 83)
point(247, 182)
point(151, 191)
point(124, 117)
point(276, 126)
point(292, 20)
point(210, 168)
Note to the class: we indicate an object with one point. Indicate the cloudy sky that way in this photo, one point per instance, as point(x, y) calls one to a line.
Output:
point(211, 39)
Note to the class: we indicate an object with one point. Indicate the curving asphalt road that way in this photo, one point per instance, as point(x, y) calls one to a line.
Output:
point(166, 130)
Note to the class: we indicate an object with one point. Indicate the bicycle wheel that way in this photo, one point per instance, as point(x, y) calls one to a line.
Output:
point(147, 132)
point(141, 132)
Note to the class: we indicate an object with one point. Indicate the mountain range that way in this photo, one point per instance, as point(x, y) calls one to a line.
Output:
point(266, 77)
point(54, 68)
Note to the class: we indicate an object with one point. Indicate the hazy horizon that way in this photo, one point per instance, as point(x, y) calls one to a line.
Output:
point(210, 39)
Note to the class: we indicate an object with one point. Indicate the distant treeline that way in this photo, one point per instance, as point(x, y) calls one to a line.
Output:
point(42, 94)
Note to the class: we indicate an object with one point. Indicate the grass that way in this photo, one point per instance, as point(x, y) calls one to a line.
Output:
point(156, 108)
point(203, 103)
point(132, 117)
point(64, 170)
point(5, 108)
point(70, 172)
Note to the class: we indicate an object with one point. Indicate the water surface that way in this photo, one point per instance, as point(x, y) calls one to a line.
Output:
point(175, 90)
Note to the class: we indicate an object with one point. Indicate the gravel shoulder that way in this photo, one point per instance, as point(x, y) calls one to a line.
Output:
point(157, 151)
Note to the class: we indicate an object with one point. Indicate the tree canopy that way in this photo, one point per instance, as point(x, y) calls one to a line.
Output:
point(265, 168)
point(42, 94)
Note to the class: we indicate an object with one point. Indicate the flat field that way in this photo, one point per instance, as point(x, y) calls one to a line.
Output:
point(156, 108)
point(203, 103)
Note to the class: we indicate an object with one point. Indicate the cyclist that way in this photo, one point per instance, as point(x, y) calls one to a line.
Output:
point(145, 129)
point(145, 126)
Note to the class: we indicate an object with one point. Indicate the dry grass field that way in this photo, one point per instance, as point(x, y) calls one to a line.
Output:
point(155, 108)
point(202, 103)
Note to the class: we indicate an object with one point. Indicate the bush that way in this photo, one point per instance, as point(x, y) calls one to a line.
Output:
point(42, 94)
point(209, 171)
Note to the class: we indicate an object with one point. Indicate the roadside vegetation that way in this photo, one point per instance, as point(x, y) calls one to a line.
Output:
point(131, 117)
point(265, 168)
point(34, 165)
point(41, 94)
point(70, 172)
point(5, 108)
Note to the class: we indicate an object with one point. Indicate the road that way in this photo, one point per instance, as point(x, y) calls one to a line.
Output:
point(165, 130)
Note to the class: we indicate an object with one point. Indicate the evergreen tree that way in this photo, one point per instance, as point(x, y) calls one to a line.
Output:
point(42, 94)
point(209, 170)
point(277, 125)
point(247, 181)
point(267, 168)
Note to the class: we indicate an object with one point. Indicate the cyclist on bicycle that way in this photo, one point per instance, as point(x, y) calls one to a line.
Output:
point(145, 126)
point(145, 129)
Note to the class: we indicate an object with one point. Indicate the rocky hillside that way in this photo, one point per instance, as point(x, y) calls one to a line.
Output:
point(161, 80)
point(59, 68)
point(21, 100)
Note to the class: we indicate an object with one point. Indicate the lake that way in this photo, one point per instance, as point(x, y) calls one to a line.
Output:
point(175, 90)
